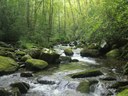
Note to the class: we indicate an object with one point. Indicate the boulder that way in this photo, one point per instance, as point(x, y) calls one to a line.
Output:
point(36, 64)
point(89, 52)
point(113, 53)
point(68, 52)
point(7, 65)
point(49, 56)
point(65, 59)
point(34, 53)
point(26, 74)
point(84, 87)
point(3, 44)
point(26, 57)
point(86, 73)
point(22, 86)
point(74, 60)
point(123, 93)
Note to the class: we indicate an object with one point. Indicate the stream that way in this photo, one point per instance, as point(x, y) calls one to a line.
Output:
point(63, 85)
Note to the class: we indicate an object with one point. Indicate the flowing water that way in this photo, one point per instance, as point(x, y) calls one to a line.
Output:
point(62, 84)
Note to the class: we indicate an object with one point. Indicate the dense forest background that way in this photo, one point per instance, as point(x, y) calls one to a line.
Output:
point(45, 22)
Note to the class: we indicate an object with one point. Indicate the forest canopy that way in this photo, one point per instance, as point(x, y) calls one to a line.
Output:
point(44, 22)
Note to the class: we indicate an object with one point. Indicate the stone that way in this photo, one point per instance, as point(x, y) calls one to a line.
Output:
point(26, 74)
point(36, 64)
point(7, 65)
point(65, 59)
point(22, 86)
point(68, 52)
point(89, 52)
point(113, 53)
point(86, 73)
point(26, 57)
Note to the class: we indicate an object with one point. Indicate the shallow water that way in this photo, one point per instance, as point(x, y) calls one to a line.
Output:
point(64, 85)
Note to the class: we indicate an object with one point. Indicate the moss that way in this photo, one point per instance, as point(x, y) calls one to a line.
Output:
point(7, 65)
point(36, 64)
point(21, 53)
point(68, 52)
point(123, 93)
point(24, 58)
point(84, 87)
point(113, 53)
point(88, 73)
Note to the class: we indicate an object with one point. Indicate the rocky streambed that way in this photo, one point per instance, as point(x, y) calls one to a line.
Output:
point(74, 75)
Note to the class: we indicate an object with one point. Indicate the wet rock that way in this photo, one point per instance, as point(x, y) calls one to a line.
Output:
point(65, 59)
point(49, 56)
point(113, 53)
point(74, 60)
point(119, 84)
point(68, 52)
point(34, 53)
point(42, 81)
point(89, 73)
point(7, 65)
point(36, 64)
point(108, 78)
point(26, 74)
point(22, 86)
point(89, 52)
point(4, 92)
point(25, 57)
point(123, 93)
point(84, 87)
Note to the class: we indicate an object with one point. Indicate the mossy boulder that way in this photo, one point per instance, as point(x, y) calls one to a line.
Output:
point(36, 64)
point(113, 53)
point(68, 52)
point(93, 46)
point(84, 87)
point(22, 86)
point(26, 57)
point(89, 52)
point(65, 59)
point(7, 65)
point(123, 93)
point(20, 53)
point(34, 52)
point(86, 73)
point(3, 44)
point(49, 56)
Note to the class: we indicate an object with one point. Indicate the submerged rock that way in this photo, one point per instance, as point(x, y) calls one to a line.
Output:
point(113, 53)
point(36, 64)
point(26, 74)
point(22, 86)
point(68, 52)
point(7, 65)
point(89, 73)
point(89, 52)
